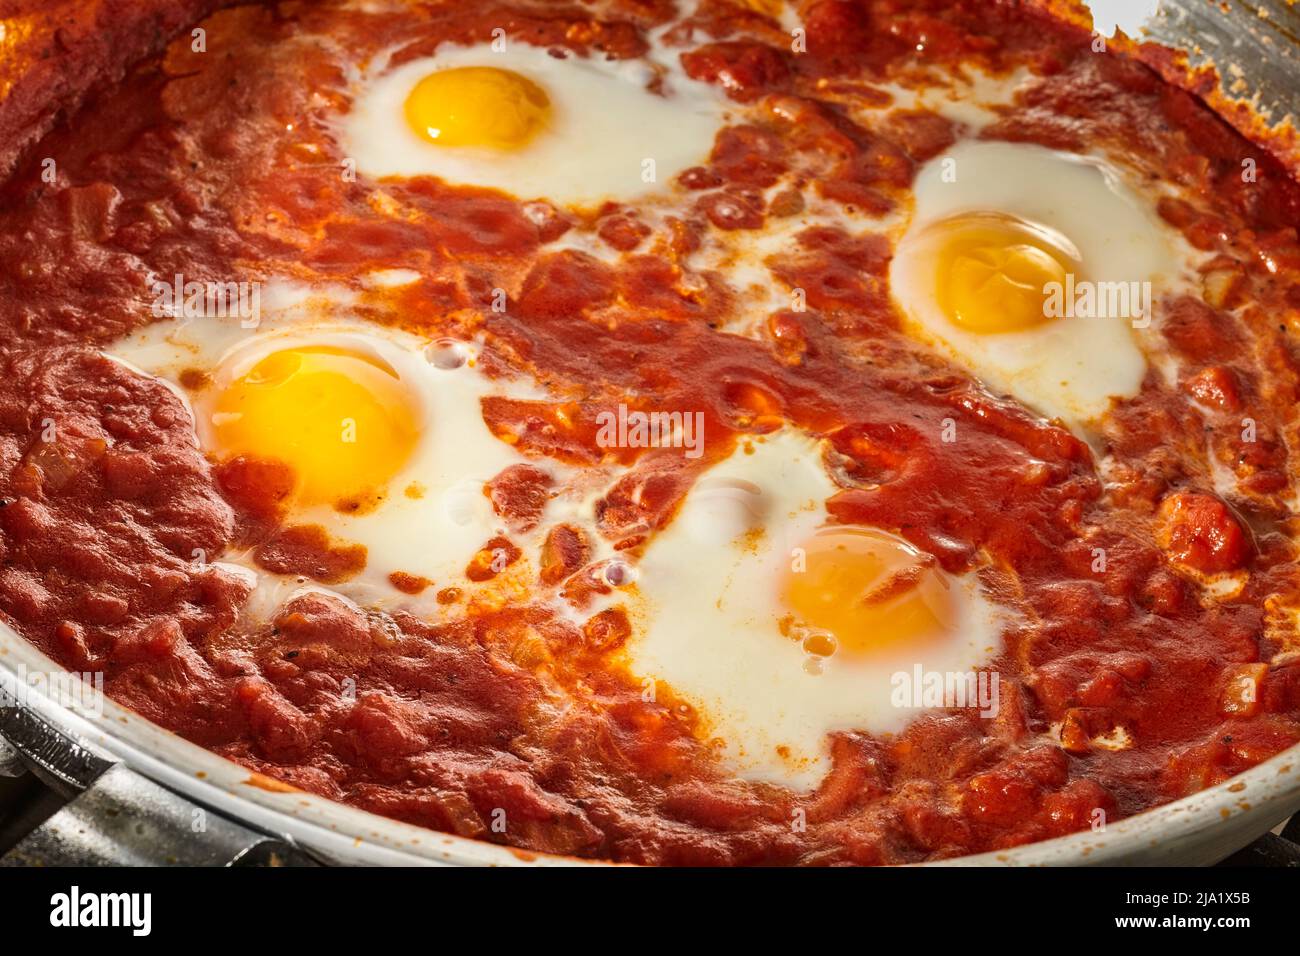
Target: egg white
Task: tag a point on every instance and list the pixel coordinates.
(610, 137)
(434, 535)
(1068, 368)
(708, 612)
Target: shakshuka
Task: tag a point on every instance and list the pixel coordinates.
(733, 432)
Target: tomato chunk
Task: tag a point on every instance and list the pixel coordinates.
(1200, 532)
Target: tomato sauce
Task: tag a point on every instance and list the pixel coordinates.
(223, 164)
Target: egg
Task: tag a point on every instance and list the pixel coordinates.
(1036, 270)
(531, 122)
(335, 409)
(382, 431)
(781, 628)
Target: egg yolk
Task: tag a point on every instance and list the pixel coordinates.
(477, 106)
(343, 422)
(859, 590)
(993, 271)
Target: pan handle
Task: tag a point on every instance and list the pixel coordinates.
(115, 816)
